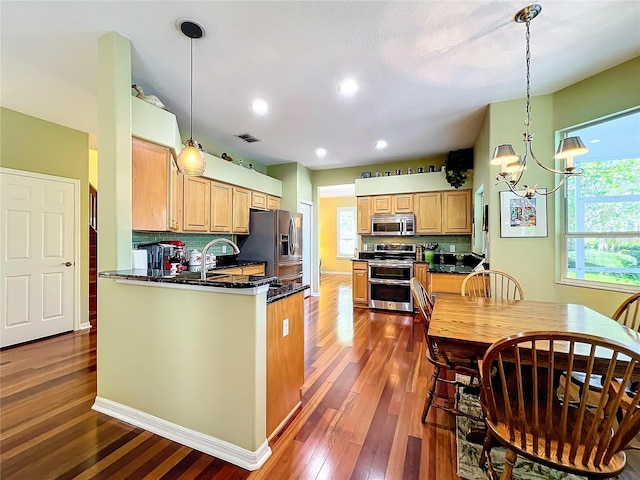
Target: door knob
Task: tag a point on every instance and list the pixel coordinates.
(67, 264)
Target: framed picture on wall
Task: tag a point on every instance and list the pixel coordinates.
(523, 217)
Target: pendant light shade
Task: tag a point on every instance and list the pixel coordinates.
(191, 160)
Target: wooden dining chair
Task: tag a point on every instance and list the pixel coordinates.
(441, 362)
(526, 388)
(491, 283)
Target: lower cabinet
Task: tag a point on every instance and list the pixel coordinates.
(421, 272)
(360, 284)
(285, 359)
(446, 282)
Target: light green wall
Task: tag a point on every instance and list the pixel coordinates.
(305, 184)
(533, 261)
(287, 173)
(166, 354)
(35, 145)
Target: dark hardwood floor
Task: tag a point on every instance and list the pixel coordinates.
(365, 378)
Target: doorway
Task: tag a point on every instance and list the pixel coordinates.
(40, 261)
(306, 208)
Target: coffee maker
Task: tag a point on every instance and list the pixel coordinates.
(158, 257)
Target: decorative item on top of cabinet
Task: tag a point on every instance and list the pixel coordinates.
(273, 203)
(156, 188)
(241, 203)
(360, 287)
(259, 200)
(196, 204)
(364, 215)
(221, 207)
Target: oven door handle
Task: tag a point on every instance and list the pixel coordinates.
(380, 281)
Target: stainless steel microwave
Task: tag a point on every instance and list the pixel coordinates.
(399, 224)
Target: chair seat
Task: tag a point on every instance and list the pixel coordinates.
(615, 466)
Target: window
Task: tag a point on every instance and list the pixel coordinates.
(602, 208)
(347, 236)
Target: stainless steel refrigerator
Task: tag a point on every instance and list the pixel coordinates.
(275, 236)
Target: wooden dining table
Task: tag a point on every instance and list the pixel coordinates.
(465, 327)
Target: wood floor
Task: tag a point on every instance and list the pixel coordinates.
(365, 378)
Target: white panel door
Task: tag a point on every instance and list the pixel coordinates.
(37, 258)
(306, 209)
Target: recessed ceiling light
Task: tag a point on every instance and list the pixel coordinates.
(260, 107)
(381, 144)
(348, 87)
(321, 152)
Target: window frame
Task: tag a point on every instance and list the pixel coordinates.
(338, 230)
(565, 236)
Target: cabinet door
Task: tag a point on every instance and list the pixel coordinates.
(447, 282)
(259, 200)
(175, 197)
(382, 204)
(364, 215)
(197, 204)
(360, 287)
(456, 211)
(253, 270)
(221, 212)
(420, 272)
(273, 203)
(403, 203)
(241, 202)
(150, 186)
(428, 210)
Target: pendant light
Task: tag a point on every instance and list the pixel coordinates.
(512, 165)
(191, 160)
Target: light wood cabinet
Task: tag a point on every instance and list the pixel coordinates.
(443, 212)
(253, 270)
(421, 273)
(221, 207)
(456, 211)
(240, 216)
(259, 200)
(285, 360)
(402, 203)
(360, 284)
(428, 213)
(197, 204)
(445, 282)
(156, 188)
(273, 203)
(364, 215)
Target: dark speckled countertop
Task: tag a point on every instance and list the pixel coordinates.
(276, 290)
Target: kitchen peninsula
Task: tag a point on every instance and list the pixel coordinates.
(201, 361)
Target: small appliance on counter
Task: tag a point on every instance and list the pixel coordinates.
(159, 256)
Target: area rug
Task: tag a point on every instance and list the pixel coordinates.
(469, 453)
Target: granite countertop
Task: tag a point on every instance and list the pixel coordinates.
(192, 278)
(438, 268)
(278, 291)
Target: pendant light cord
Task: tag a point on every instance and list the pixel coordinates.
(528, 52)
(191, 98)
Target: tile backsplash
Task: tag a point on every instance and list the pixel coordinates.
(462, 242)
(193, 241)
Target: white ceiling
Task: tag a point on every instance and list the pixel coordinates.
(426, 69)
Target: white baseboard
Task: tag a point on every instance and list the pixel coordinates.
(199, 441)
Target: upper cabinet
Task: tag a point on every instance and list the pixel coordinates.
(392, 203)
(241, 203)
(428, 213)
(443, 212)
(156, 189)
(197, 204)
(221, 207)
(259, 200)
(364, 215)
(456, 211)
(273, 203)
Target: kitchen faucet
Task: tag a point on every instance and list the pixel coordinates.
(203, 269)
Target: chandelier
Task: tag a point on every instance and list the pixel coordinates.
(512, 165)
(191, 160)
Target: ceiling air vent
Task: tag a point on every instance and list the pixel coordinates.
(247, 137)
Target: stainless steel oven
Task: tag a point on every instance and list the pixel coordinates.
(389, 285)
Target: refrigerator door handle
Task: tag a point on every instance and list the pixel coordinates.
(292, 237)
